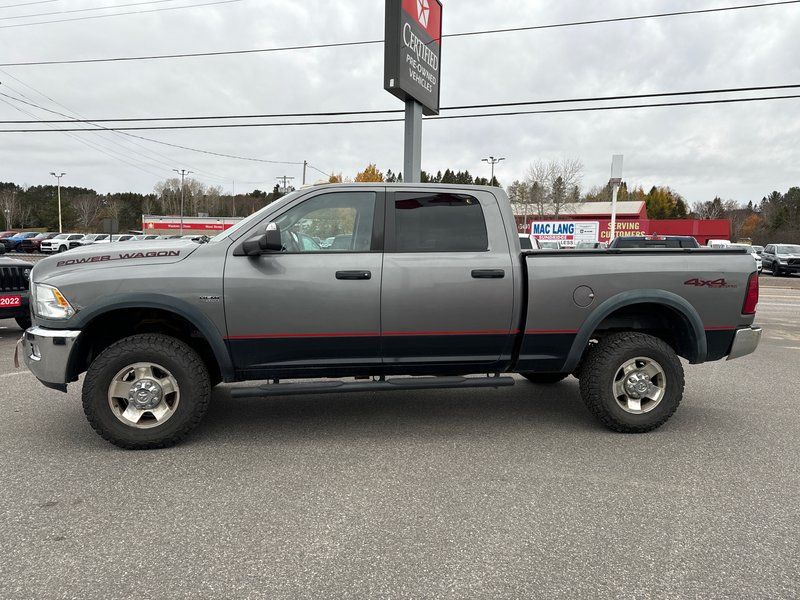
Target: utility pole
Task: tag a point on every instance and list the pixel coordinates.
(492, 161)
(233, 198)
(285, 179)
(305, 164)
(58, 178)
(183, 173)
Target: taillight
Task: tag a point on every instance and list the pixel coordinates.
(751, 299)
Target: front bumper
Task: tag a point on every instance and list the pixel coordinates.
(46, 353)
(745, 342)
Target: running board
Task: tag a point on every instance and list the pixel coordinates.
(397, 383)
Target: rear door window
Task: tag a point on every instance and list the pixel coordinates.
(441, 222)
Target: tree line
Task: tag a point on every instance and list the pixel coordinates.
(546, 190)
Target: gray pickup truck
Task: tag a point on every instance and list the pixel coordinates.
(368, 287)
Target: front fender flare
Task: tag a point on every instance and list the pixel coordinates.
(169, 304)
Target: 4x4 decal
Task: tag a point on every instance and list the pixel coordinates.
(712, 283)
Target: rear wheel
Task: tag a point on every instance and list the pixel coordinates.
(146, 391)
(633, 383)
(544, 378)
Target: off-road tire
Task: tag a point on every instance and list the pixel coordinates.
(601, 367)
(24, 322)
(544, 378)
(182, 362)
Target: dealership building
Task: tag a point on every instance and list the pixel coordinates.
(591, 222)
(173, 224)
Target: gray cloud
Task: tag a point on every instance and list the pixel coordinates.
(735, 151)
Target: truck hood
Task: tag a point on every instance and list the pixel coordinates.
(113, 255)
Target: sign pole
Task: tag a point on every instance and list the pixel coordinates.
(412, 156)
(615, 181)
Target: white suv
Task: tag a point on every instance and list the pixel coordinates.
(61, 242)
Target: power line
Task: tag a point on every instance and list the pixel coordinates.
(367, 42)
(80, 10)
(134, 12)
(397, 120)
(124, 136)
(396, 111)
(90, 145)
(29, 3)
(100, 128)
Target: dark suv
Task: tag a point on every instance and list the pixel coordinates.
(14, 276)
(12, 242)
(781, 259)
(654, 241)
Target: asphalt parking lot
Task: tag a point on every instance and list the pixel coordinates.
(514, 493)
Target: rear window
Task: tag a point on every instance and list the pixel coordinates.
(439, 223)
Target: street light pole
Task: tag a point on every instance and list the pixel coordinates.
(492, 161)
(183, 173)
(58, 178)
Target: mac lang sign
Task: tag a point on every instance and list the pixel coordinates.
(412, 51)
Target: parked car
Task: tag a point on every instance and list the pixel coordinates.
(781, 259)
(548, 245)
(123, 237)
(5, 235)
(758, 249)
(718, 243)
(430, 287)
(750, 249)
(60, 243)
(654, 241)
(590, 245)
(12, 243)
(142, 238)
(14, 284)
(34, 244)
(95, 238)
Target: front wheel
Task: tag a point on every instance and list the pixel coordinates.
(775, 270)
(633, 383)
(24, 322)
(146, 391)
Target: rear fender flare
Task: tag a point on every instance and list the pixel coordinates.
(630, 298)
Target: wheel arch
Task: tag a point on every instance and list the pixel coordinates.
(672, 316)
(115, 318)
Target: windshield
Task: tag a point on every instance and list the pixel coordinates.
(255, 217)
(792, 249)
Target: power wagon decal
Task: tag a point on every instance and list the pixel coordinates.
(120, 256)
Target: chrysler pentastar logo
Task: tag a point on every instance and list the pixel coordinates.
(424, 11)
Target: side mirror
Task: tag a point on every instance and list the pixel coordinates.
(269, 241)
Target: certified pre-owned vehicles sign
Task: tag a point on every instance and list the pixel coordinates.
(412, 59)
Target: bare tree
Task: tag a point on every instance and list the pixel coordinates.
(554, 186)
(88, 207)
(10, 206)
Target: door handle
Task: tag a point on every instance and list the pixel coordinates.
(488, 273)
(351, 275)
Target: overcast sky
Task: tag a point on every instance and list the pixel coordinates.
(736, 151)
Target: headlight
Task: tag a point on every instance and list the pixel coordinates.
(49, 303)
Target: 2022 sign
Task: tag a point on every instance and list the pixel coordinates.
(10, 301)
